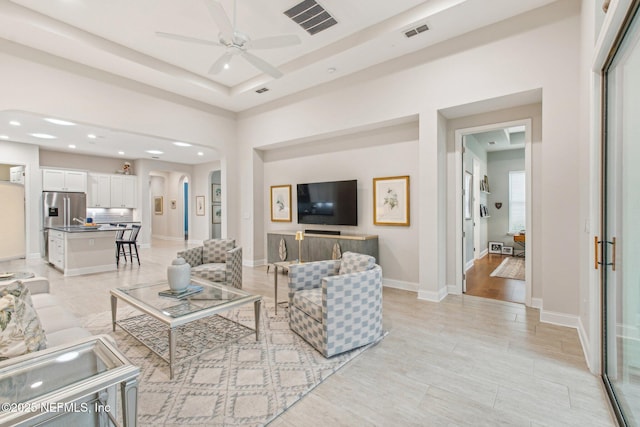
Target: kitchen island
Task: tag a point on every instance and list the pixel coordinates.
(77, 250)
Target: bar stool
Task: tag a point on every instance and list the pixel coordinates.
(129, 241)
(119, 236)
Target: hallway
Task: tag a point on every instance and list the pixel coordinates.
(481, 284)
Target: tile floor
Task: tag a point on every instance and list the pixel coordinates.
(466, 361)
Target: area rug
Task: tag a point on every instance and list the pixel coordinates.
(510, 268)
(247, 383)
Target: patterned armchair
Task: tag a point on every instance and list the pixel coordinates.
(218, 260)
(336, 305)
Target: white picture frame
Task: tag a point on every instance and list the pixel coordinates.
(495, 247)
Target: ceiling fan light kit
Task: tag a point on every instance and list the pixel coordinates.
(236, 43)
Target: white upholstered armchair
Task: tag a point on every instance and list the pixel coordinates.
(336, 305)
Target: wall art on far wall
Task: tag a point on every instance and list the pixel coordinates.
(281, 203)
(391, 200)
(200, 205)
(173, 204)
(216, 193)
(216, 213)
(157, 205)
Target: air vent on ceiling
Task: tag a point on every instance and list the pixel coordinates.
(491, 143)
(311, 16)
(262, 90)
(415, 31)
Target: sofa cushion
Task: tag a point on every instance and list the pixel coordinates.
(44, 300)
(20, 328)
(65, 336)
(309, 301)
(215, 250)
(354, 263)
(213, 272)
(56, 318)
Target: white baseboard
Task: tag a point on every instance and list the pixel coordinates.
(170, 238)
(433, 296)
(144, 245)
(584, 341)
(254, 263)
(536, 303)
(453, 290)
(34, 255)
(195, 242)
(484, 253)
(469, 265)
(400, 284)
(560, 319)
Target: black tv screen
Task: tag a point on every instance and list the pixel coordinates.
(328, 203)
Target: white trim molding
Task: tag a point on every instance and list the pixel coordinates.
(400, 284)
(433, 296)
(536, 303)
(584, 341)
(560, 319)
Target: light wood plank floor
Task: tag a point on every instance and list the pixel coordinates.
(481, 284)
(466, 361)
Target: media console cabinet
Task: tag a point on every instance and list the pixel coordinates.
(318, 247)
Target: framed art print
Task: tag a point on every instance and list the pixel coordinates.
(391, 201)
(157, 205)
(281, 203)
(200, 205)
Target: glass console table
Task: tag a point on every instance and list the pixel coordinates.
(74, 385)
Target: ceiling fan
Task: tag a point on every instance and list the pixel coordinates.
(236, 42)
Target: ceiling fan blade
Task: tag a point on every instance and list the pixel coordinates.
(220, 17)
(275, 42)
(187, 39)
(220, 63)
(262, 65)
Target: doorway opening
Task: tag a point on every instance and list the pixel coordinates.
(494, 260)
(186, 208)
(215, 226)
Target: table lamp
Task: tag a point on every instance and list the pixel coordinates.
(300, 238)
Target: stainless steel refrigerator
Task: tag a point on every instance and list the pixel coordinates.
(59, 209)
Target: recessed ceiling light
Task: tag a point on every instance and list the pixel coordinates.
(4, 137)
(72, 146)
(43, 135)
(14, 123)
(92, 136)
(36, 384)
(182, 144)
(200, 153)
(59, 122)
(154, 152)
(226, 66)
(121, 153)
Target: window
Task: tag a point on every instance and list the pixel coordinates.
(517, 201)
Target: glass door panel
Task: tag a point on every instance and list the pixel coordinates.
(621, 228)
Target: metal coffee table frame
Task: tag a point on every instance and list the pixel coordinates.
(201, 311)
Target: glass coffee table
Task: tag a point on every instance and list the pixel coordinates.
(179, 330)
(72, 385)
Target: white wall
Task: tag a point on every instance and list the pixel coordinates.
(96, 164)
(533, 51)
(398, 246)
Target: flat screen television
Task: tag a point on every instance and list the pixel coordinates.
(328, 203)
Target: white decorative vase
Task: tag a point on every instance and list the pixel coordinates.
(179, 275)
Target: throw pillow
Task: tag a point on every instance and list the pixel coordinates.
(353, 263)
(215, 250)
(20, 328)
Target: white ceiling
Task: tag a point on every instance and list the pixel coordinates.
(500, 139)
(118, 36)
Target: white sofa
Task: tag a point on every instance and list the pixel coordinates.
(59, 325)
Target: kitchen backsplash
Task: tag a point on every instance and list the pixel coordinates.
(110, 215)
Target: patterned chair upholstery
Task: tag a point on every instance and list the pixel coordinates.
(336, 305)
(217, 260)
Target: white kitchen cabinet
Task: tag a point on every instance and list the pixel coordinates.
(99, 191)
(56, 249)
(64, 180)
(123, 191)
